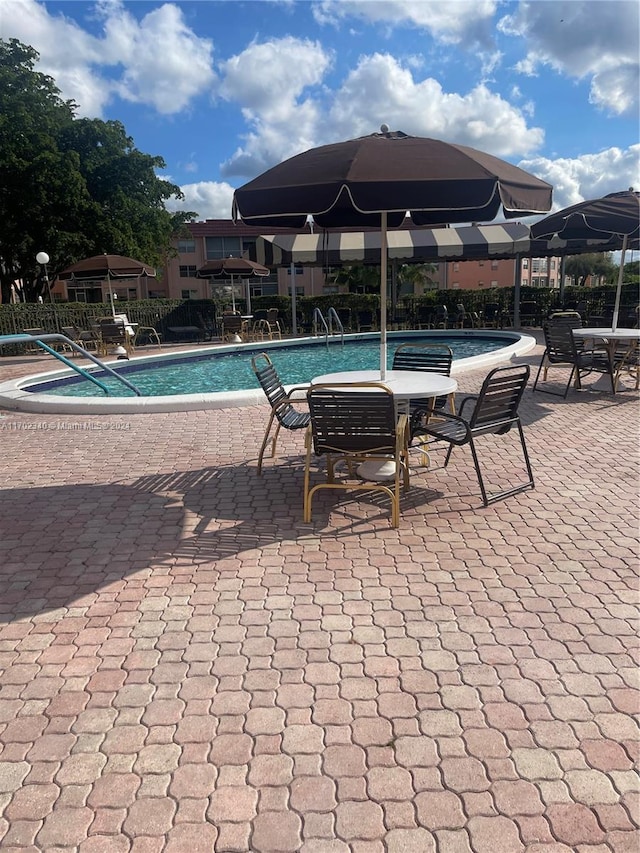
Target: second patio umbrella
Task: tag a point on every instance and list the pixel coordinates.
(230, 268)
(374, 180)
(616, 214)
(107, 268)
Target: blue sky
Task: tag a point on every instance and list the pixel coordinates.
(224, 90)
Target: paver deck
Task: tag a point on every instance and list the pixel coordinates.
(187, 666)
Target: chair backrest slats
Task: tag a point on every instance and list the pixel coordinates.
(560, 344)
(432, 358)
(346, 420)
(499, 397)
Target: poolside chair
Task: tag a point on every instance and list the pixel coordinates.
(85, 338)
(356, 423)
(563, 350)
(365, 320)
(274, 328)
(492, 315)
(259, 326)
(495, 412)
(233, 326)
(113, 333)
(424, 317)
(529, 314)
(281, 401)
(430, 358)
(441, 317)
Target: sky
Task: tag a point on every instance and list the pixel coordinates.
(224, 90)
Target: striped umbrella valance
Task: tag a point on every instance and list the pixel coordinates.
(428, 245)
(424, 245)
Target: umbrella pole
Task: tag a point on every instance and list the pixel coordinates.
(616, 307)
(233, 297)
(113, 307)
(248, 298)
(383, 295)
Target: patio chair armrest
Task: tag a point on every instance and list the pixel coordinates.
(470, 398)
(301, 389)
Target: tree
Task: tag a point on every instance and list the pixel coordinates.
(420, 275)
(358, 278)
(598, 264)
(70, 187)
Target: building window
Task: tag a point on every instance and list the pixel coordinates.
(189, 294)
(186, 247)
(299, 271)
(456, 266)
(187, 271)
(525, 263)
(223, 247)
(552, 264)
(299, 290)
(494, 265)
(264, 288)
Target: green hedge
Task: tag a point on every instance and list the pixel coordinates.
(162, 313)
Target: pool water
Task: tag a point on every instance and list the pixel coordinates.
(213, 372)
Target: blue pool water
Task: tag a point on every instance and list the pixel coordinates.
(213, 372)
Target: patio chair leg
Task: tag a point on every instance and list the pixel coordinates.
(264, 444)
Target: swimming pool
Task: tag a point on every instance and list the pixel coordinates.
(214, 378)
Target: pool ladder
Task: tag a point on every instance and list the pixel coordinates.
(319, 321)
(40, 340)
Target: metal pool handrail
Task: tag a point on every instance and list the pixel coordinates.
(40, 339)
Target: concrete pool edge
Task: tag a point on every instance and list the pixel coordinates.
(14, 397)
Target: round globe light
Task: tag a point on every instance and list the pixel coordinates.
(42, 258)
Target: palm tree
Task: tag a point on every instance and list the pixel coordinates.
(418, 276)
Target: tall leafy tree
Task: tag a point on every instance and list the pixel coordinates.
(580, 267)
(70, 187)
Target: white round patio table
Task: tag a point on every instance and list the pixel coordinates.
(406, 385)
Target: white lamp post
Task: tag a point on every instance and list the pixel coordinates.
(43, 259)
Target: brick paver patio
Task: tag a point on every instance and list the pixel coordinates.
(186, 666)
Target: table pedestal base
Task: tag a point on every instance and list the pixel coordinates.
(377, 471)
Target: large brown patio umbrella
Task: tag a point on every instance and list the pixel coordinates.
(230, 268)
(375, 180)
(613, 215)
(107, 268)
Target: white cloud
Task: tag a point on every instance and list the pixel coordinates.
(269, 81)
(163, 63)
(67, 53)
(588, 176)
(210, 200)
(467, 21)
(380, 90)
(596, 39)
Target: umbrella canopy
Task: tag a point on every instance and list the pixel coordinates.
(106, 267)
(613, 215)
(230, 268)
(376, 179)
